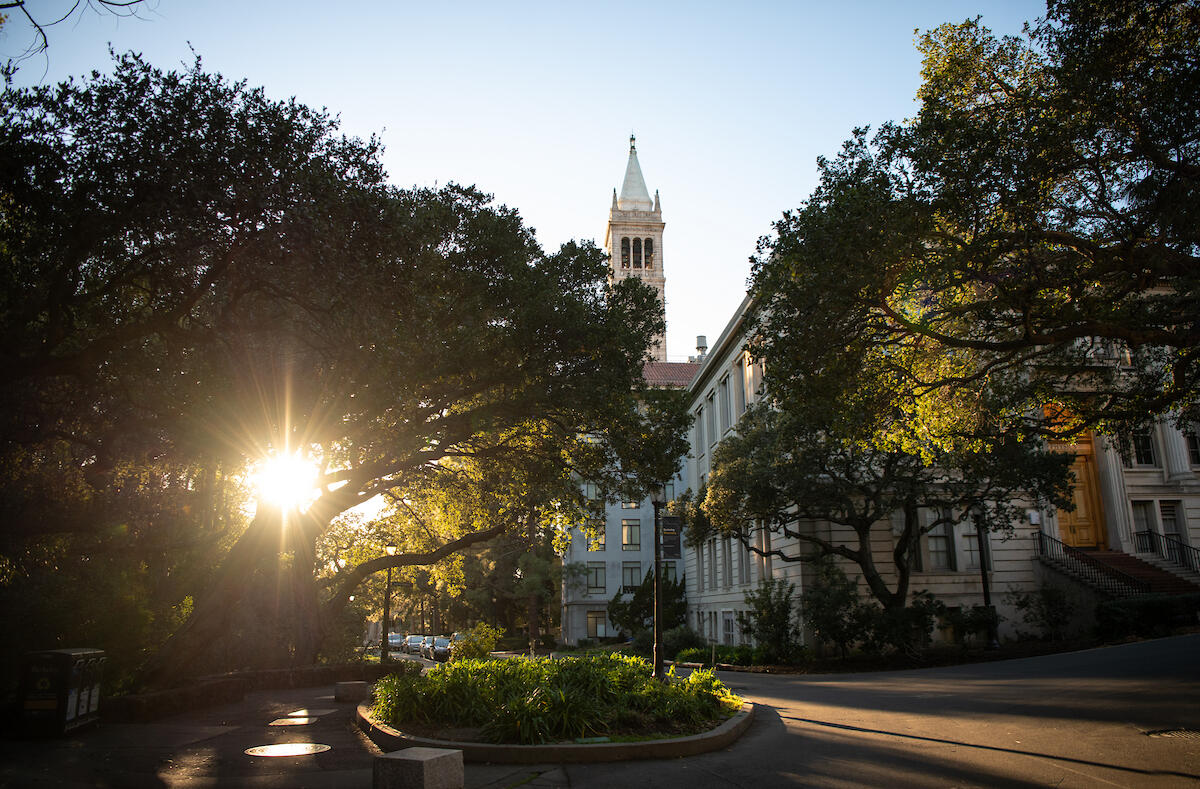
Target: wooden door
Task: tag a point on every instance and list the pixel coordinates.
(1083, 527)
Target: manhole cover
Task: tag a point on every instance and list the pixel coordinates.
(310, 713)
(297, 721)
(1190, 734)
(287, 749)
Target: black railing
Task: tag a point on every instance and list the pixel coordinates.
(1099, 575)
(1170, 548)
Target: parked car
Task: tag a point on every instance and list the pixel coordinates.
(395, 643)
(412, 644)
(441, 648)
(426, 650)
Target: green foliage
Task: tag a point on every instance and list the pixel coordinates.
(636, 614)
(772, 619)
(531, 701)
(1147, 616)
(480, 641)
(1050, 609)
(972, 623)
(679, 638)
(832, 608)
(904, 629)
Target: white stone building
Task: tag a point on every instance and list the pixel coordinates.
(1133, 520)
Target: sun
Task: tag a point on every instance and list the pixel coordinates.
(287, 481)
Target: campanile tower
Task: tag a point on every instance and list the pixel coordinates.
(634, 236)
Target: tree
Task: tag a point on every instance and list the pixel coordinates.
(636, 615)
(832, 609)
(818, 482)
(40, 41)
(195, 271)
(772, 619)
(1031, 234)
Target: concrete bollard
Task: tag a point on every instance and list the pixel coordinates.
(350, 691)
(420, 768)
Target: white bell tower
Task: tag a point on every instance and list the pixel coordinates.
(634, 237)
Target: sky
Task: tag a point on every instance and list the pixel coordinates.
(534, 102)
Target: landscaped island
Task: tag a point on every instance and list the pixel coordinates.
(535, 701)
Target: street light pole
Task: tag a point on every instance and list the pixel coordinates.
(384, 644)
(656, 498)
(993, 636)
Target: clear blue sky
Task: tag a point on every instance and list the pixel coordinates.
(534, 101)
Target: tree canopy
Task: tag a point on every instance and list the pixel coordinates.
(1029, 239)
(197, 278)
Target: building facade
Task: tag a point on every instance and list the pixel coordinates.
(1136, 515)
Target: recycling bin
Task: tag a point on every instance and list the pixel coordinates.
(60, 690)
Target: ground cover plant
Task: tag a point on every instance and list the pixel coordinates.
(533, 701)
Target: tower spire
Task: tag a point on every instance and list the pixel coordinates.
(634, 195)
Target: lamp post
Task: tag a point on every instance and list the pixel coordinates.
(993, 636)
(384, 645)
(656, 498)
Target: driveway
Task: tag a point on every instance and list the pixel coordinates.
(1072, 720)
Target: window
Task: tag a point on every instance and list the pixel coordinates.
(670, 572)
(1143, 516)
(631, 576)
(597, 624)
(712, 564)
(700, 430)
(624, 253)
(1192, 435)
(591, 491)
(629, 505)
(649, 253)
(710, 404)
(941, 548)
(700, 567)
(744, 564)
(725, 406)
(597, 583)
(631, 534)
(597, 542)
(637, 253)
(739, 386)
(970, 546)
(728, 634)
(1143, 449)
(1169, 513)
(727, 563)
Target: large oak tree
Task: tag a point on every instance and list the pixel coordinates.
(198, 277)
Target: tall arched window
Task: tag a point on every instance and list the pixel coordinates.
(637, 253)
(624, 253)
(649, 253)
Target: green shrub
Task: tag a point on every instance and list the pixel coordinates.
(678, 638)
(1145, 615)
(832, 608)
(536, 700)
(1050, 609)
(772, 619)
(479, 642)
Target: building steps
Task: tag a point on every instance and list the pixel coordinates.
(1160, 581)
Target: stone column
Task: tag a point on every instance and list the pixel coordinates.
(1112, 492)
(1176, 461)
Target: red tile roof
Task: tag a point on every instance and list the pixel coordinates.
(678, 374)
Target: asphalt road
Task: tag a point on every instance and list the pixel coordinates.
(1072, 720)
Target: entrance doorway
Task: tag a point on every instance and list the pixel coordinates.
(1083, 527)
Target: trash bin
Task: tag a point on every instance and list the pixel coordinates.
(60, 690)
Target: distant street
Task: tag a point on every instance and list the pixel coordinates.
(1072, 720)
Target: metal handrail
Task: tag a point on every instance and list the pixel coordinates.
(1094, 571)
(1170, 548)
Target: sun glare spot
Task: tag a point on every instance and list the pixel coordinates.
(287, 481)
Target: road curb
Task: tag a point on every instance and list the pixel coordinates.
(390, 739)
